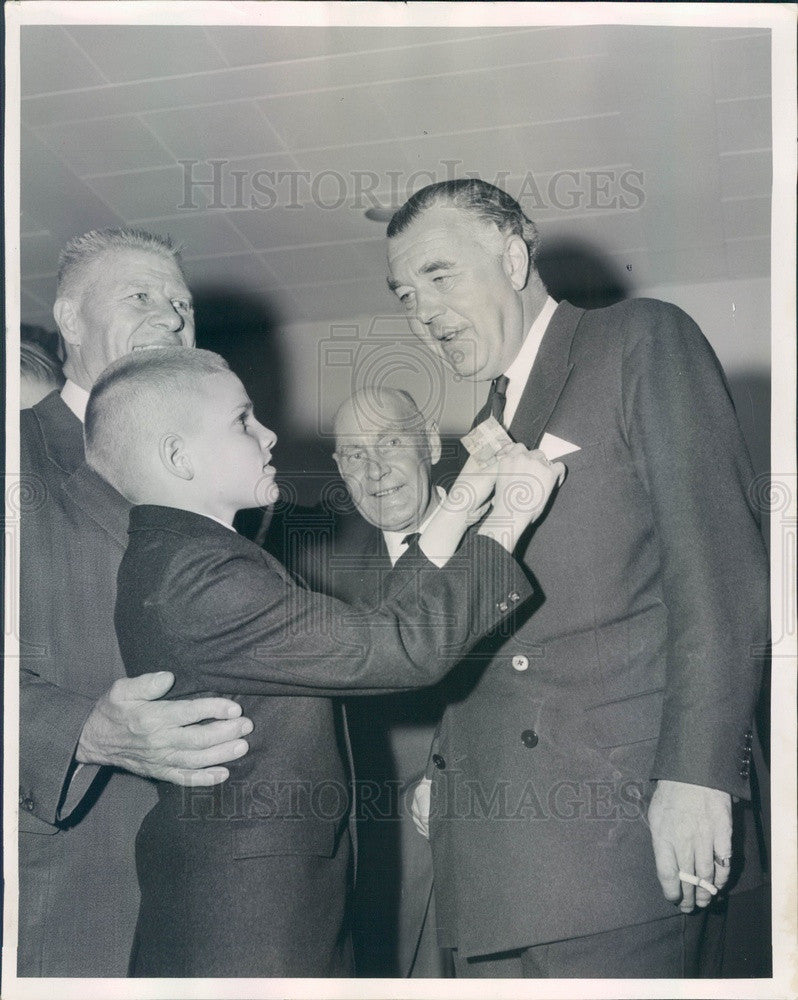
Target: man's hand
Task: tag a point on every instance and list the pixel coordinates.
(420, 807)
(689, 823)
(130, 728)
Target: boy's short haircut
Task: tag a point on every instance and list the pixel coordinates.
(131, 401)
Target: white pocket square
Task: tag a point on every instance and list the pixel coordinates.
(554, 447)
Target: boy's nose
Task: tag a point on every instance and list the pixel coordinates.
(268, 439)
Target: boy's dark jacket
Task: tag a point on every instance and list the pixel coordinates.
(250, 878)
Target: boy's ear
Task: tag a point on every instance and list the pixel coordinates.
(65, 314)
(174, 457)
(434, 442)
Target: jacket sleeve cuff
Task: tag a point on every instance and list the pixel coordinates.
(51, 721)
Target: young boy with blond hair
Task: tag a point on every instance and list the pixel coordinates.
(250, 878)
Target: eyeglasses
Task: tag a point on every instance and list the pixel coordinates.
(390, 446)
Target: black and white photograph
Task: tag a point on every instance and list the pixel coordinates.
(400, 500)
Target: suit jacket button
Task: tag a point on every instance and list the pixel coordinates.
(529, 738)
(515, 598)
(438, 761)
(520, 662)
(503, 606)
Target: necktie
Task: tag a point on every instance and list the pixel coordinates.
(412, 537)
(497, 397)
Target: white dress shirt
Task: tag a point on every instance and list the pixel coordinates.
(394, 540)
(75, 398)
(518, 371)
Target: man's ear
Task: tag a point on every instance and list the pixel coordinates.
(174, 457)
(515, 261)
(434, 442)
(65, 314)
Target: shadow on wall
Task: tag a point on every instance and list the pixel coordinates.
(578, 272)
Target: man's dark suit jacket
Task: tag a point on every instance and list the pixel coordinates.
(391, 735)
(78, 896)
(250, 878)
(640, 661)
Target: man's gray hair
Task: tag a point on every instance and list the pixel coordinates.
(83, 250)
(129, 403)
(483, 200)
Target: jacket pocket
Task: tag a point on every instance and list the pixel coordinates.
(285, 836)
(627, 721)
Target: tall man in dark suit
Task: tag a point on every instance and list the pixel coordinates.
(90, 737)
(583, 783)
(385, 451)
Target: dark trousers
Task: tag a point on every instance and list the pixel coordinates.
(681, 946)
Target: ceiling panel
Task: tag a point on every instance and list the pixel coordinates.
(500, 96)
(200, 234)
(108, 111)
(304, 225)
(149, 194)
(741, 66)
(217, 130)
(748, 257)
(37, 253)
(243, 46)
(143, 52)
(334, 117)
(49, 61)
(745, 174)
(743, 124)
(322, 302)
(99, 147)
(540, 146)
(41, 289)
(746, 217)
(336, 262)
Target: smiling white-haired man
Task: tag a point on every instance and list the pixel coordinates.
(90, 738)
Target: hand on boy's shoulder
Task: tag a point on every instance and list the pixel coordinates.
(133, 728)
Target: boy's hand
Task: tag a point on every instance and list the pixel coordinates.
(129, 727)
(524, 483)
(471, 490)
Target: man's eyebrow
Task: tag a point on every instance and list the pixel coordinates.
(436, 265)
(432, 266)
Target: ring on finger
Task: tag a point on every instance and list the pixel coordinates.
(724, 861)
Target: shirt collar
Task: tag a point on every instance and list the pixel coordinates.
(394, 540)
(75, 398)
(518, 371)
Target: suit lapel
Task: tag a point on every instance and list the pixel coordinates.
(548, 377)
(62, 432)
(99, 501)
